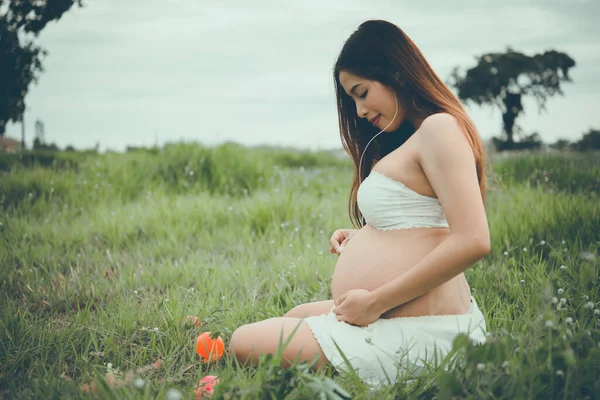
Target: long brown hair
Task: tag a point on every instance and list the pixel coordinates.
(380, 51)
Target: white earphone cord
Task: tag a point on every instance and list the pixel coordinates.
(380, 132)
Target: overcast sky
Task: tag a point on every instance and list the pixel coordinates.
(260, 72)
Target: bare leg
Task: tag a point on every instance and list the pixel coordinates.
(310, 309)
(250, 341)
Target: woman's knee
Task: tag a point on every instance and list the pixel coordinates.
(240, 342)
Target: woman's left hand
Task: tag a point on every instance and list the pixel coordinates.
(356, 307)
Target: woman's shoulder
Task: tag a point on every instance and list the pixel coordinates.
(437, 121)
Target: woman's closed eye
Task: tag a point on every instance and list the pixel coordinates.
(364, 94)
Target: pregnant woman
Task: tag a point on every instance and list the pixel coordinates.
(400, 296)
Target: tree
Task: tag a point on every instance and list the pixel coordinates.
(502, 79)
(20, 58)
(589, 141)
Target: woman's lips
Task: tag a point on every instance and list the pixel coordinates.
(376, 120)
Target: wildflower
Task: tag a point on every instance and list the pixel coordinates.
(563, 300)
(543, 242)
(139, 383)
(155, 329)
(193, 319)
(522, 281)
(588, 256)
(480, 367)
(596, 312)
(135, 292)
(569, 320)
(563, 267)
(505, 364)
(554, 300)
(505, 253)
(589, 305)
(549, 324)
(563, 242)
(209, 349)
(206, 386)
(525, 249)
(559, 373)
(560, 291)
(173, 394)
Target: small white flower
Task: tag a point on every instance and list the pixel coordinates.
(223, 297)
(597, 311)
(560, 291)
(563, 267)
(522, 281)
(505, 364)
(135, 292)
(549, 324)
(543, 242)
(559, 373)
(506, 253)
(563, 300)
(569, 320)
(155, 329)
(589, 305)
(563, 242)
(173, 394)
(480, 367)
(139, 383)
(525, 249)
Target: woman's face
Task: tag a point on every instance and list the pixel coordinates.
(374, 101)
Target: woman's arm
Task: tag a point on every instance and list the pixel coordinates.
(448, 162)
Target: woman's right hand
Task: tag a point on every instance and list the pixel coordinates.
(339, 239)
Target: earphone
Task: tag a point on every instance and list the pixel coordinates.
(380, 132)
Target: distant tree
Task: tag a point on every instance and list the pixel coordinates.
(20, 58)
(39, 145)
(560, 144)
(502, 79)
(589, 141)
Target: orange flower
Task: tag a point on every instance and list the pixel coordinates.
(206, 386)
(195, 320)
(209, 349)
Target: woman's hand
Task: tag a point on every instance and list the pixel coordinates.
(356, 307)
(339, 239)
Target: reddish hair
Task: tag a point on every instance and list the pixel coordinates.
(380, 51)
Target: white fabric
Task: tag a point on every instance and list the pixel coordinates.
(388, 204)
(392, 346)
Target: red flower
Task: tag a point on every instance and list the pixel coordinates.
(206, 386)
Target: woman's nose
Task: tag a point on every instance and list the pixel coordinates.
(361, 110)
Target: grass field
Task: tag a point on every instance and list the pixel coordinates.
(103, 257)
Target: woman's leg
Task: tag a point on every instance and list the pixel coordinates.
(310, 309)
(249, 341)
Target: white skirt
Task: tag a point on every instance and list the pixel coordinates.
(390, 347)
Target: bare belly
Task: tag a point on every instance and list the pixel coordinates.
(372, 258)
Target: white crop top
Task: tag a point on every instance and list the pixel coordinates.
(387, 204)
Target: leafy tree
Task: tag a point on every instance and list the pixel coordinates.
(589, 141)
(20, 58)
(502, 79)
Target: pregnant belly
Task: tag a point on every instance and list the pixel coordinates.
(372, 258)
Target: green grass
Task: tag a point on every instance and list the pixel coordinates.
(103, 256)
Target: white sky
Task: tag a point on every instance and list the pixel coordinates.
(139, 72)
